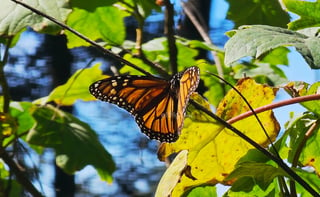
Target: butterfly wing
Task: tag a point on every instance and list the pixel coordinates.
(189, 81)
(144, 97)
(158, 105)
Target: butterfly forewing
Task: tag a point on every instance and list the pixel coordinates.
(188, 84)
(158, 105)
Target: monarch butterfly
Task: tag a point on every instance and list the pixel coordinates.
(158, 105)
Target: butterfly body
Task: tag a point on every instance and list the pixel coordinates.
(158, 105)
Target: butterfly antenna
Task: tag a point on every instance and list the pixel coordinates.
(251, 109)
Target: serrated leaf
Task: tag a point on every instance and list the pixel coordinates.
(14, 18)
(71, 139)
(94, 22)
(250, 12)
(309, 13)
(77, 87)
(257, 40)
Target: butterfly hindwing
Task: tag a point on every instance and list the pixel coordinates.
(158, 105)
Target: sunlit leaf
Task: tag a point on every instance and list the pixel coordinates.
(309, 13)
(94, 22)
(246, 187)
(15, 188)
(171, 177)
(144, 8)
(278, 56)
(77, 87)
(257, 40)
(262, 72)
(14, 17)
(75, 143)
(203, 191)
(250, 12)
(311, 178)
(301, 141)
(17, 122)
(214, 151)
(156, 50)
(263, 174)
(296, 89)
(216, 88)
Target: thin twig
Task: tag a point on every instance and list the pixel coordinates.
(204, 34)
(21, 178)
(169, 32)
(275, 105)
(3, 80)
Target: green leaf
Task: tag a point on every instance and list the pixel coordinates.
(156, 50)
(77, 87)
(262, 72)
(262, 173)
(75, 143)
(257, 40)
(311, 178)
(203, 191)
(310, 155)
(309, 13)
(94, 22)
(278, 56)
(313, 106)
(296, 89)
(14, 18)
(250, 12)
(17, 122)
(15, 188)
(246, 187)
(144, 8)
(216, 90)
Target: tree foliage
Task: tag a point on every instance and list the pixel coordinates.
(210, 151)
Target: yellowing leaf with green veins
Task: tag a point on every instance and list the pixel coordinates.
(77, 87)
(213, 150)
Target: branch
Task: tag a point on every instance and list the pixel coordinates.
(277, 160)
(205, 36)
(20, 176)
(3, 80)
(275, 105)
(169, 32)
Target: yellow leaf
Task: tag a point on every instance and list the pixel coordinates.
(171, 177)
(213, 150)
